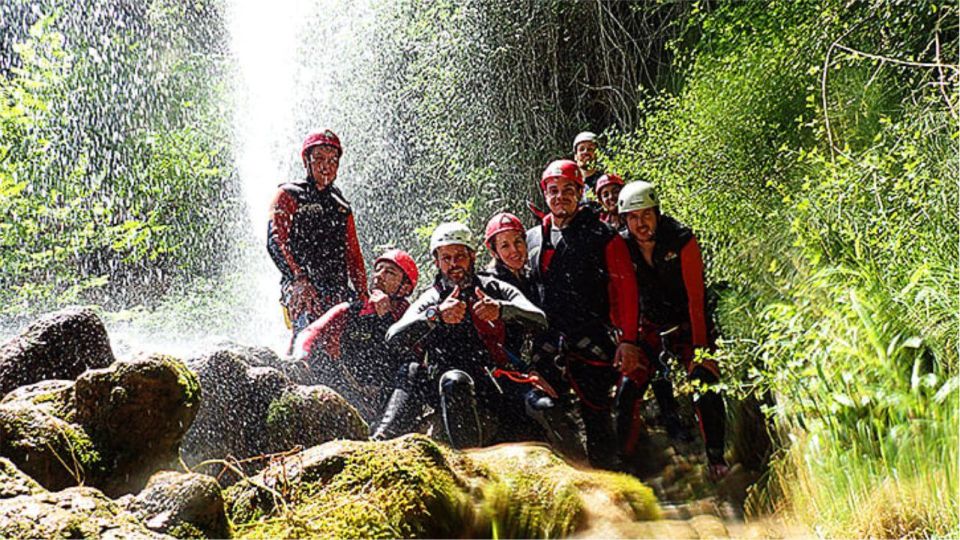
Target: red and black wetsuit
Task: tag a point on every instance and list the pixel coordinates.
(312, 234)
(347, 349)
(586, 286)
(672, 293)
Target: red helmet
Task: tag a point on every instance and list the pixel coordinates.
(499, 223)
(607, 180)
(561, 168)
(323, 137)
(403, 260)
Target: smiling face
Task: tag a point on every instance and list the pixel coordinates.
(643, 224)
(455, 263)
(511, 248)
(563, 197)
(323, 162)
(586, 155)
(608, 197)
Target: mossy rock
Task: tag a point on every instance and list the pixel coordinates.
(311, 415)
(13, 482)
(184, 505)
(36, 435)
(412, 487)
(78, 512)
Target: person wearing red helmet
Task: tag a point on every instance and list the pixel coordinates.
(346, 346)
(312, 237)
(505, 238)
(607, 190)
(587, 288)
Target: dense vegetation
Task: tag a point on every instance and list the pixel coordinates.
(811, 144)
(113, 173)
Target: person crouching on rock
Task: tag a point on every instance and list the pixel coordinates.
(505, 238)
(461, 323)
(346, 347)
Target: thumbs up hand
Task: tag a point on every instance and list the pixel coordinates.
(452, 310)
(485, 308)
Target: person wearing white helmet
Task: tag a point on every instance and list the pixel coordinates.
(585, 154)
(461, 321)
(672, 294)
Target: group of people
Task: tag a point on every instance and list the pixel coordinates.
(577, 314)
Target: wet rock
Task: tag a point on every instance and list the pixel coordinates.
(60, 345)
(298, 372)
(311, 415)
(181, 504)
(144, 406)
(37, 436)
(13, 482)
(111, 429)
(78, 512)
(411, 487)
(251, 411)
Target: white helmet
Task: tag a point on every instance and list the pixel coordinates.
(584, 136)
(637, 195)
(448, 234)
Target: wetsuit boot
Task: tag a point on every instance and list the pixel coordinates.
(458, 406)
(556, 423)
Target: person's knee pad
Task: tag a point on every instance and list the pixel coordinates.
(459, 409)
(538, 405)
(455, 383)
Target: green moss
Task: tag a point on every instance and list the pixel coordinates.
(185, 377)
(628, 490)
(403, 488)
(185, 530)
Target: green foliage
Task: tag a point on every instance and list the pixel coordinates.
(822, 182)
(107, 180)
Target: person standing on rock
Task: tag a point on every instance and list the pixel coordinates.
(607, 190)
(586, 287)
(312, 237)
(672, 293)
(346, 347)
(460, 322)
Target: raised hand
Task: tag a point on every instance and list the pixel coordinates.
(452, 310)
(485, 308)
(381, 302)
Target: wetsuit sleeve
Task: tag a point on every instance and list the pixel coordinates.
(282, 210)
(622, 289)
(517, 308)
(355, 266)
(324, 332)
(414, 326)
(691, 262)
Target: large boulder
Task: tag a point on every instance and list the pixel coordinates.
(38, 435)
(78, 512)
(13, 482)
(250, 411)
(411, 487)
(141, 409)
(185, 505)
(60, 345)
(111, 429)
